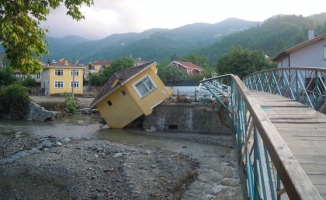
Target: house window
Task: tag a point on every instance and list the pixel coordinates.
(42, 84)
(23, 77)
(76, 72)
(58, 72)
(58, 84)
(123, 93)
(109, 103)
(76, 84)
(324, 52)
(144, 86)
(38, 76)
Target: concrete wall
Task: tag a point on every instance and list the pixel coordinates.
(309, 56)
(190, 89)
(187, 118)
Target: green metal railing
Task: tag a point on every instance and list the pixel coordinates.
(303, 84)
(270, 167)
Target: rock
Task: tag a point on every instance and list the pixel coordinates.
(106, 126)
(99, 149)
(147, 152)
(184, 147)
(229, 182)
(58, 144)
(38, 113)
(65, 140)
(117, 155)
(93, 177)
(153, 166)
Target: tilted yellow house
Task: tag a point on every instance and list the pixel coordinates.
(58, 78)
(129, 94)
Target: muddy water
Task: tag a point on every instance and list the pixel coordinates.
(73, 126)
(218, 175)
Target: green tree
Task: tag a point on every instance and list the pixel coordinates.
(7, 76)
(170, 74)
(29, 82)
(300, 37)
(242, 62)
(174, 57)
(21, 35)
(116, 65)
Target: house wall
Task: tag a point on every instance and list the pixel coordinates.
(283, 63)
(128, 108)
(122, 111)
(309, 56)
(66, 78)
(150, 100)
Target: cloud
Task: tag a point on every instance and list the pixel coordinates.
(107, 17)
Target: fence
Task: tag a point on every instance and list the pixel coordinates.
(262, 154)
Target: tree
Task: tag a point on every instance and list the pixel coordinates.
(170, 74)
(300, 37)
(116, 65)
(21, 35)
(7, 76)
(174, 57)
(242, 62)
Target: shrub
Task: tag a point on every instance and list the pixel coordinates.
(14, 101)
(29, 82)
(7, 76)
(70, 103)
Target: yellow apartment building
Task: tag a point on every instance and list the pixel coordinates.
(58, 78)
(129, 94)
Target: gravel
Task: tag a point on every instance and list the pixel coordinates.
(85, 168)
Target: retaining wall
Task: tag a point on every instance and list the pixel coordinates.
(194, 117)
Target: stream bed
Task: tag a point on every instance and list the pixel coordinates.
(217, 173)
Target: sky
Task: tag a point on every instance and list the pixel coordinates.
(108, 17)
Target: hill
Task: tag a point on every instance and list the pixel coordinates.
(273, 36)
(113, 41)
(165, 43)
(321, 18)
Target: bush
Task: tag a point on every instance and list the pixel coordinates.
(29, 82)
(70, 103)
(7, 76)
(14, 101)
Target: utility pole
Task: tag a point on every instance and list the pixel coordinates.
(73, 78)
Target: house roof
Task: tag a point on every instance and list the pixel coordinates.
(62, 63)
(189, 65)
(123, 76)
(101, 63)
(287, 51)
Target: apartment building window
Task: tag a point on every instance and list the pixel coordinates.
(144, 86)
(76, 72)
(58, 72)
(58, 84)
(38, 76)
(76, 84)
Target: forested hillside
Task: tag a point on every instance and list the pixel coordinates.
(273, 36)
(164, 43)
(113, 41)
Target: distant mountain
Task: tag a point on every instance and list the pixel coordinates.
(59, 44)
(273, 36)
(113, 41)
(165, 43)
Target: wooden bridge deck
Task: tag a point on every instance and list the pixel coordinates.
(303, 130)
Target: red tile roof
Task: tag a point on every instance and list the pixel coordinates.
(189, 65)
(101, 63)
(62, 63)
(123, 76)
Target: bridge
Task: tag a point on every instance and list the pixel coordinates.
(279, 130)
